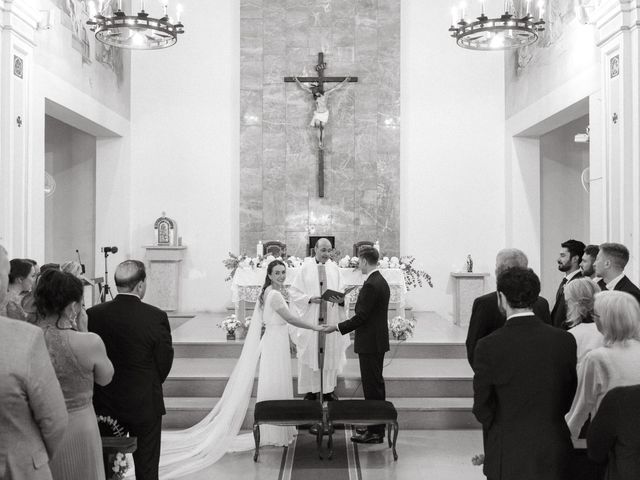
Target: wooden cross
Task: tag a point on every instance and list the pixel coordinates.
(318, 92)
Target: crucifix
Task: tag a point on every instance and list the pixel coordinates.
(321, 113)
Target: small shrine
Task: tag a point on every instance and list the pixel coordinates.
(166, 230)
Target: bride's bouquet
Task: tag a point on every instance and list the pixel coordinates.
(401, 328)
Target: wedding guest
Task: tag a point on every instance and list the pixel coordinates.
(138, 341)
(21, 278)
(609, 266)
(588, 259)
(524, 381)
(33, 414)
(486, 317)
(568, 263)
(616, 363)
(75, 269)
(371, 336)
(614, 436)
(79, 359)
(580, 297)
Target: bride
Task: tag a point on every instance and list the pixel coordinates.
(187, 451)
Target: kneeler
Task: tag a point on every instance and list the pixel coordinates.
(287, 413)
(363, 412)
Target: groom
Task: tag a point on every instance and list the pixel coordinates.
(372, 336)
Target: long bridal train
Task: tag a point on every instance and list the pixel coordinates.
(187, 451)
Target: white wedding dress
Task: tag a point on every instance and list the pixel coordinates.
(188, 451)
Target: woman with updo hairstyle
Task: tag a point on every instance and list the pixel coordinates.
(21, 277)
(616, 363)
(579, 295)
(275, 379)
(79, 359)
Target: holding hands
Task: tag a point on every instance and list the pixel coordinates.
(329, 328)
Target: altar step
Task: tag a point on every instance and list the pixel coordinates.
(413, 413)
(427, 377)
(200, 377)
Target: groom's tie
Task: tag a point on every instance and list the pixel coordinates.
(561, 288)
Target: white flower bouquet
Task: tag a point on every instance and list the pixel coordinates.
(401, 328)
(120, 466)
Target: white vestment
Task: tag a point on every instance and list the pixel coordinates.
(304, 286)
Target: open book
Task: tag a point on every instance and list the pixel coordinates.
(328, 293)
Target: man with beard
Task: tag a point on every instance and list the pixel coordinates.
(569, 263)
(588, 259)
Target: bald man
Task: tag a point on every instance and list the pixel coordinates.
(318, 274)
(138, 341)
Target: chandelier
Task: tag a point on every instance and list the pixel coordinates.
(515, 28)
(138, 32)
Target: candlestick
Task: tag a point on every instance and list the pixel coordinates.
(178, 12)
(454, 15)
(142, 5)
(540, 9)
(528, 7)
(463, 8)
(482, 2)
(120, 5)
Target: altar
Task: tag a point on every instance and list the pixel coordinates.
(247, 285)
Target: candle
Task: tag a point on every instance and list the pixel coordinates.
(377, 246)
(142, 5)
(165, 7)
(482, 2)
(259, 249)
(463, 8)
(178, 12)
(454, 16)
(528, 7)
(540, 9)
(120, 5)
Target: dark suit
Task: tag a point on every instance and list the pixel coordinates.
(524, 383)
(559, 312)
(614, 434)
(138, 341)
(624, 285)
(487, 318)
(371, 336)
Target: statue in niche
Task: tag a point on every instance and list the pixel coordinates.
(166, 230)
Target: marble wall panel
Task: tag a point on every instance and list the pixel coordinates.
(250, 146)
(250, 107)
(251, 9)
(279, 150)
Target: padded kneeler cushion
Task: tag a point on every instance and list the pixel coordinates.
(287, 410)
(345, 410)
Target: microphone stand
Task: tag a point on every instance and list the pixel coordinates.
(105, 289)
(321, 346)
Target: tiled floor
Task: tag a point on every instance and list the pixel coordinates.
(423, 455)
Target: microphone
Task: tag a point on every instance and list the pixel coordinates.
(320, 319)
(80, 262)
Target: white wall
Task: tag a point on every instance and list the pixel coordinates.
(564, 202)
(185, 147)
(452, 167)
(70, 213)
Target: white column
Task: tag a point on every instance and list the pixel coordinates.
(18, 23)
(618, 36)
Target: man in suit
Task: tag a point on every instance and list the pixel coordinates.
(609, 266)
(371, 337)
(33, 416)
(485, 314)
(524, 383)
(138, 341)
(588, 261)
(614, 433)
(569, 263)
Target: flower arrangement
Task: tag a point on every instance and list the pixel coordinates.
(413, 277)
(120, 466)
(234, 262)
(230, 324)
(401, 328)
(109, 427)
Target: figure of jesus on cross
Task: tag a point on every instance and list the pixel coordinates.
(321, 112)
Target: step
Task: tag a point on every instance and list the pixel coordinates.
(232, 349)
(200, 377)
(413, 413)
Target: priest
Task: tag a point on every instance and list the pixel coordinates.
(318, 274)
